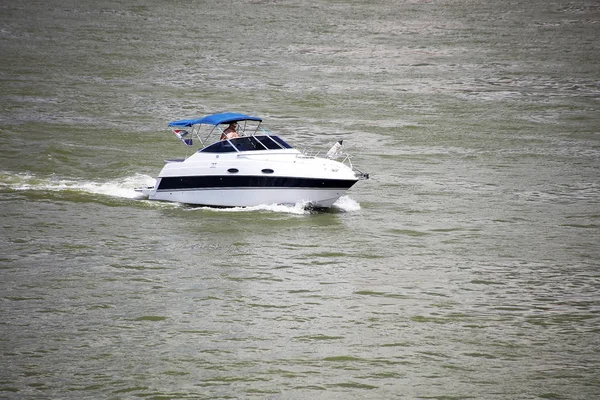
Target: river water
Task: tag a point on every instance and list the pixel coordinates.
(466, 267)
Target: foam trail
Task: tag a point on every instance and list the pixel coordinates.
(122, 187)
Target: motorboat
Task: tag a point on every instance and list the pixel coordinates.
(248, 166)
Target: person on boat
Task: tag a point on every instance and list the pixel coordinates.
(230, 132)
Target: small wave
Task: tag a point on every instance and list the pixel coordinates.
(122, 187)
(346, 204)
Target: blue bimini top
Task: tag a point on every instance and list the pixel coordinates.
(215, 119)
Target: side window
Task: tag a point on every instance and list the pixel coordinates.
(281, 142)
(268, 143)
(246, 144)
(222, 146)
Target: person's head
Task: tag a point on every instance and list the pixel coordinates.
(233, 125)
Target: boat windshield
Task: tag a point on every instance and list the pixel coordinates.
(247, 143)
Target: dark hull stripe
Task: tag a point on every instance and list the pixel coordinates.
(210, 182)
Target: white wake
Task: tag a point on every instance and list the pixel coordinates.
(125, 188)
(120, 187)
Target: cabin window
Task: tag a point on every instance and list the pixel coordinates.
(281, 142)
(222, 146)
(247, 143)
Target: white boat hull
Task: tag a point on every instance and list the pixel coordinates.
(249, 171)
(249, 197)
